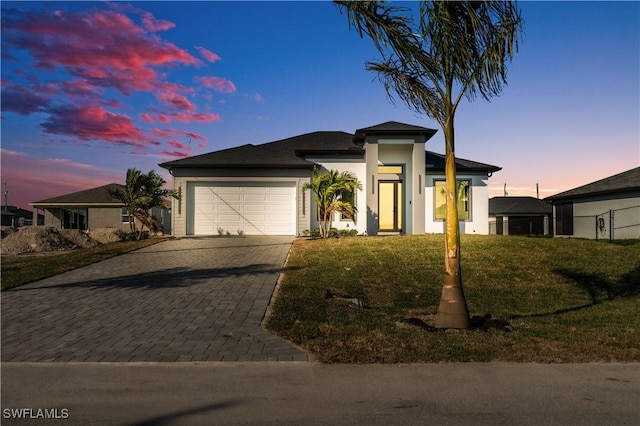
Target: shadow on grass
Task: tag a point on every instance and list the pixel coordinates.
(476, 323)
(168, 278)
(598, 287)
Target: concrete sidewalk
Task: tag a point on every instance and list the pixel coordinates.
(302, 393)
(192, 299)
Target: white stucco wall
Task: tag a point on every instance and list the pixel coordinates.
(479, 220)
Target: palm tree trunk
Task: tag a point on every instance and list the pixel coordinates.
(452, 311)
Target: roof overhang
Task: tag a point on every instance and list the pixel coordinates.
(41, 205)
(562, 198)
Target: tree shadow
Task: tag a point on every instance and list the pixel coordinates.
(168, 278)
(171, 418)
(598, 287)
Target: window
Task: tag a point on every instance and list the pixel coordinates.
(464, 200)
(564, 219)
(351, 198)
(125, 216)
(397, 170)
(75, 219)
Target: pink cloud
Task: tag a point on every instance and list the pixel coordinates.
(54, 177)
(258, 97)
(207, 54)
(178, 154)
(218, 84)
(174, 133)
(154, 25)
(195, 136)
(179, 145)
(95, 123)
(201, 117)
(104, 47)
(147, 118)
(175, 100)
(77, 88)
(22, 101)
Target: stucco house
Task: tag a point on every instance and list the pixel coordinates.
(608, 208)
(90, 209)
(520, 216)
(257, 189)
(15, 217)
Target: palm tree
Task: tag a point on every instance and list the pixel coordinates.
(331, 191)
(142, 193)
(456, 49)
(131, 196)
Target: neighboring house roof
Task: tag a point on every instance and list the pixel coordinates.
(620, 183)
(435, 162)
(288, 153)
(392, 128)
(16, 211)
(514, 206)
(93, 196)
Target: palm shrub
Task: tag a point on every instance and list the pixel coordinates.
(331, 192)
(142, 193)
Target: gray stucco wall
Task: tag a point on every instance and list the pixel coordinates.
(623, 208)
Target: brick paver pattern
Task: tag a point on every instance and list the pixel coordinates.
(190, 299)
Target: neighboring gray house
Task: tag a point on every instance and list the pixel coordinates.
(519, 216)
(607, 209)
(257, 189)
(15, 216)
(91, 209)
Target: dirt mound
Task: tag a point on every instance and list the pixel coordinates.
(37, 239)
(7, 230)
(79, 238)
(104, 235)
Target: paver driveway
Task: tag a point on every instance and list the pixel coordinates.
(192, 299)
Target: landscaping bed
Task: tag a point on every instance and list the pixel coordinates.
(372, 300)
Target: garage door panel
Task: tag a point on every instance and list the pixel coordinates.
(250, 207)
(279, 208)
(226, 208)
(255, 198)
(255, 208)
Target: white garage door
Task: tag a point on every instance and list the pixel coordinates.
(251, 208)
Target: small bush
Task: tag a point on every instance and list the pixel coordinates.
(333, 233)
(131, 235)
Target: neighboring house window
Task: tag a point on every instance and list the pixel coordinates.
(75, 219)
(350, 197)
(564, 219)
(125, 216)
(464, 200)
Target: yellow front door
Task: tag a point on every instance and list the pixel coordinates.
(390, 205)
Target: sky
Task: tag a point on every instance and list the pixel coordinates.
(90, 89)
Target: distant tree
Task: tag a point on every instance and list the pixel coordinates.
(142, 193)
(333, 192)
(457, 48)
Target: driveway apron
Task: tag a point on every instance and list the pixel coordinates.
(191, 299)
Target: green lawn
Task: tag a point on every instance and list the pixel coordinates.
(22, 269)
(564, 300)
